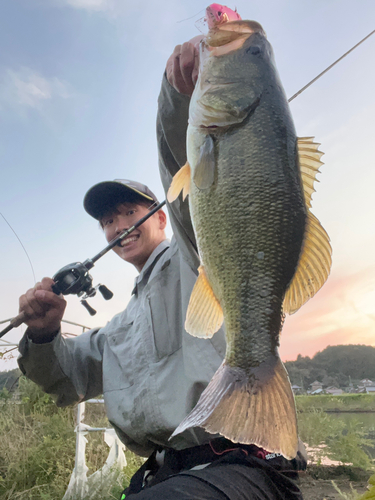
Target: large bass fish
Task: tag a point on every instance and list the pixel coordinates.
(263, 253)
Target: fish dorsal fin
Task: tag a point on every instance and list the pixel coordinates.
(316, 257)
(204, 316)
(180, 182)
(313, 267)
(309, 161)
(204, 170)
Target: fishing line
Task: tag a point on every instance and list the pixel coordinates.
(24, 249)
(182, 20)
(329, 67)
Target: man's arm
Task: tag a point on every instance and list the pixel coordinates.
(172, 120)
(70, 369)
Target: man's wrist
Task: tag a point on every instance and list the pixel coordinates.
(38, 338)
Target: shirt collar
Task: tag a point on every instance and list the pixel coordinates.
(147, 268)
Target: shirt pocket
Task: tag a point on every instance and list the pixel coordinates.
(164, 302)
(118, 359)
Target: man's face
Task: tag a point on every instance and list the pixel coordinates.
(138, 246)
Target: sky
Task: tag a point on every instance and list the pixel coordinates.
(79, 82)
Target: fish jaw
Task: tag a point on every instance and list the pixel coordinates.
(217, 14)
(224, 97)
(225, 34)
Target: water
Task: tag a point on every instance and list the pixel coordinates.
(339, 438)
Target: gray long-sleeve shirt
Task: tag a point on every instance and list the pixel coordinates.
(150, 370)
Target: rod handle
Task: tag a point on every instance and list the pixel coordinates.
(17, 321)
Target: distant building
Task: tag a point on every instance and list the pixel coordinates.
(316, 385)
(370, 389)
(317, 391)
(361, 390)
(296, 389)
(334, 391)
(366, 383)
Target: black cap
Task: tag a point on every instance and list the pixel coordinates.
(106, 195)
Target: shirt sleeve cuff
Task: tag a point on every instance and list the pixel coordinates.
(44, 339)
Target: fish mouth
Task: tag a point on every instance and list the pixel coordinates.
(233, 31)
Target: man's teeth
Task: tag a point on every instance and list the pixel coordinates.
(128, 240)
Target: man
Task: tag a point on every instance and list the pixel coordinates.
(150, 371)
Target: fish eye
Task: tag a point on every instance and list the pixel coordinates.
(219, 13)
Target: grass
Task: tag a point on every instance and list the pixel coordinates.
(37, 447)
(344, 402)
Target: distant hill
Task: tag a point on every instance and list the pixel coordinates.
(336, 365)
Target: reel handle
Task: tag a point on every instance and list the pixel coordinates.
(87, 306)
(106, 292)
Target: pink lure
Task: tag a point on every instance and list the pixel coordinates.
(217, 14)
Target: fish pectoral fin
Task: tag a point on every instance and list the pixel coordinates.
(204, 170)
(255, 406)
(313, 267)
(204, 315)
(180, 182)
(309, 162)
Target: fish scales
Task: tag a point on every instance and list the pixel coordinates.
(249, 212)
(252, 215)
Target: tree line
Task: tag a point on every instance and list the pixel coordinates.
(338, 366)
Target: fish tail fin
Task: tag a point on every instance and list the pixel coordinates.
(180, 182)
(250, 407)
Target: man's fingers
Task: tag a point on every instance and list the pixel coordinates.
(45, 297)
(30, 305)
(42, 309)
(170, 70)
(182, 68)
(38, 301)
(187, 61)
(26, 308)
(195, 72)
(47, 283)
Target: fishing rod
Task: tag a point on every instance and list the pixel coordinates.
(329, 67)
(75, 279)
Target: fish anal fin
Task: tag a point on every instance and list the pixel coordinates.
(204, 170)
(180, 182)
(255, 406)
(313, 267)
(204, 316)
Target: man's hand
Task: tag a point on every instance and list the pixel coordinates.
(43, 309)
(183, 65)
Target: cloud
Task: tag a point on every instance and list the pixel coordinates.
(96, 5)
(111, 7)
(27, 88)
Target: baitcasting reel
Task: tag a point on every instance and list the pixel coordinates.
(75, 279)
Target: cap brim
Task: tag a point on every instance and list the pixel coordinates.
(103, 197)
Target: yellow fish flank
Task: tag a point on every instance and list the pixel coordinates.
(263, 253)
